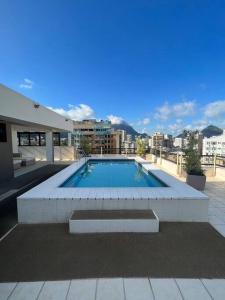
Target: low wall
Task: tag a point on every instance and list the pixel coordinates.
(39, 152)
(173, 169)
(60, 210)
(165, 164)
(220, 173)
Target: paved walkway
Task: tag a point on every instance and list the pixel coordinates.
(216, 192)
(116, 289)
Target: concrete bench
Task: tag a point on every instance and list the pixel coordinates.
(97, 221)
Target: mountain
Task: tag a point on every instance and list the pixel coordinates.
(209, 131)
(129, 129)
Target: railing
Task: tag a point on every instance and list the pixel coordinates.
(210, 163)
(102, 150)
(206, 160)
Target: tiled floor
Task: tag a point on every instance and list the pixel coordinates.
(216, 192)
(116, 288)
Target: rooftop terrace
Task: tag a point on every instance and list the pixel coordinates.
(183, 261)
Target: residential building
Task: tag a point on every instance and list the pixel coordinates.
(178, 142)
(157, 140)
(161, 140)
(214, 145)
(101, 136)
(168, 141)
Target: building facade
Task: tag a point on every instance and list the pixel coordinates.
(214, 145)
(99, 134)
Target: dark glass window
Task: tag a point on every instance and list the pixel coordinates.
(42, 139)
(31, 138)
(3, 136)
(24, 139)
(56, 139)
(34, 139)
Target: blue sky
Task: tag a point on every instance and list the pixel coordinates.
(159, 65)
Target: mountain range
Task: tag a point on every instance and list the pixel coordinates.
(209, 131)
(129, 129)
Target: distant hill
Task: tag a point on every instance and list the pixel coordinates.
(129, 129)
(209, 131)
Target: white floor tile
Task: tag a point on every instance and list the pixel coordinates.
(192, 289)
(82, 289)
(216, 288)
(54, 290)
(110, 289)
(26, 291)
(165, 289)
(6, 289)
(137, 289)
(220, 229)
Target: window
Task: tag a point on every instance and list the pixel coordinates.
(56, 139)
(42, 141)
(31, 139)
(3, 136)
(23, 138)
(34, 139)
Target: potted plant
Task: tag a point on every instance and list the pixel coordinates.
(195, 174)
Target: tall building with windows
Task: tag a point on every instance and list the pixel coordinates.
(100, 135)
(214, 145)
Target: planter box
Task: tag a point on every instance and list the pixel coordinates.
(196, 181)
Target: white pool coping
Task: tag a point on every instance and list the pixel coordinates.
(176, 190)
(51, 187)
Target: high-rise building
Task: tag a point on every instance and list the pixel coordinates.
(214, 145)
(100, 135)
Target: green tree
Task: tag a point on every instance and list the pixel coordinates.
(140, 147)
(85, 145)
(192, 156)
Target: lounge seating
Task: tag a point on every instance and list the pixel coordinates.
(28, 161)
(19, 160)
(17, 163)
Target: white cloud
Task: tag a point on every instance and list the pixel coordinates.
(115, 119)
(201, 124)
(145, 121)
(76, 113)
(215, 109)
(179, 126)
(26, 84)
(180, 109)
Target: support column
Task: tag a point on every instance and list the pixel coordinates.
(49, 147)
(69, 139)
(14, 140)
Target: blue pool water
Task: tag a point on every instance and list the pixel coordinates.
(112, 173)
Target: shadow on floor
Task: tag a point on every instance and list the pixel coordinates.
(8, 207)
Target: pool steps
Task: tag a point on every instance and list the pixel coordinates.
(103, 221)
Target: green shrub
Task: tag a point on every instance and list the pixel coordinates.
(192, 157)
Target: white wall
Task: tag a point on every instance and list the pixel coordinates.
(39, 152)
(18, 107)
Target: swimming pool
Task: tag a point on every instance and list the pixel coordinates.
(54, 202)
(112, 173)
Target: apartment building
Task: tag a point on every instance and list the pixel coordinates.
(100, 135)
(161, 140)
(214, 145)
